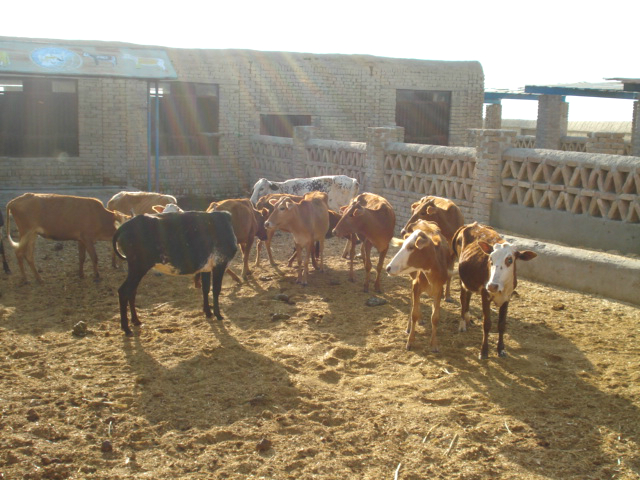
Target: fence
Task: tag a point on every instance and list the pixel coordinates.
(582, 199)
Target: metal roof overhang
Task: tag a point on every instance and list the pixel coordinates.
(582, 91)
(496, 97)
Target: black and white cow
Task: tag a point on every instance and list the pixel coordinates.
(177, 244)
(340, 188)
(5, 265)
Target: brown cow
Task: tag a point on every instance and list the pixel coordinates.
(265, 207)
(487, 265)
(441, 211)
(426, 256)
(245, 226)
(372, 219)
(60, 217)
(308, 222)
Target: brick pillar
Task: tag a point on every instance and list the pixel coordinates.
(606, 142)
(299, 159)
(553, 121)
(377, 139)
(487, 178)
(635, 130)
(493, 116)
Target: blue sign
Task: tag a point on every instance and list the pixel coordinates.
(77, 60)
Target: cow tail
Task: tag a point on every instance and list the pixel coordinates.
(456, 243)
(8, 226)
(115, 244)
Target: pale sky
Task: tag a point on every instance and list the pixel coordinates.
(518, 43)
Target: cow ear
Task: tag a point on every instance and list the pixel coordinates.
(273, 201)
(213, 206)
(526, 255)
(430, 210)
(289, 204)
(486, 248)
(421, 241)
(264, 212)
(357, 212)
(414, 205)
(273, 186)
(158, 208)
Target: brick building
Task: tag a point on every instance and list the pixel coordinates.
(181, 120)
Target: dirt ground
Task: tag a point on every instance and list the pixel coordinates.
(319, 387)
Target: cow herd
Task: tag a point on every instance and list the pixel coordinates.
(150, 231)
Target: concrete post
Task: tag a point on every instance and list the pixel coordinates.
(635, 130)
(606, 142)
(377, 139)
(553, 121)
(493, 116)
(487, 179)
(299, 159)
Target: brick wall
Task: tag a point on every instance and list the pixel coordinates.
(345, 95)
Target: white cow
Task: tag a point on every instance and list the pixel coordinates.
(340, 188)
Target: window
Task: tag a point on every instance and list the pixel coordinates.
(425, 116)
(38, 117)
(188, 118)
(282, 125)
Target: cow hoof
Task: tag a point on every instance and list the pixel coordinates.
(483, 356)
(435, 350)
(502, 354)
(449, 300)
(128, 334)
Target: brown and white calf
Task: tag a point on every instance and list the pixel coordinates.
(426, 256)
(308, 222)
(371, 218)
(60, 217)
(487, 265)
(137, 203)
(442, 211)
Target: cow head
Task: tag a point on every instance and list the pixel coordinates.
(421, 210)
(263, 187)
(352, 216)
(502, 261)
(419, 243)
(282, 212)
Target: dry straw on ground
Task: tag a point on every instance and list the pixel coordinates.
(317, 387)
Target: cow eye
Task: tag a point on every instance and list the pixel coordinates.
(509, 261)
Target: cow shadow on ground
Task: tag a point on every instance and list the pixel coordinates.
(546, 383)
(217, 386)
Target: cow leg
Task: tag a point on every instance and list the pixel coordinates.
(347, 247)
(25, 250)
(213, 280)
(234, 275)
(502, 326)
(205, 283)
(91, 249)
(416, 290)
(465, 300)
(246, 271)
(127, 296)
(270, 234)
(258, 248)
(352, 256)
(383, 254)
(5, 265)
(320, 252)
(366, 249)
(306, 252)
(435, 319)
(447, 294)
(82, 253)
(486, 324)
